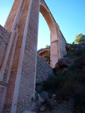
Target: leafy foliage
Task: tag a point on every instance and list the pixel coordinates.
(46, 46)
(79, 38)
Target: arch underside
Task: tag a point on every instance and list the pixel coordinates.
(54, 33)
(47, 15)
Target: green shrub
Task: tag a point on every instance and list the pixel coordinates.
(79, 38)
(71, 83)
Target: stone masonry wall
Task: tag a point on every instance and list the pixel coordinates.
(4, 38)
(62, 44)
(15, 65)
(12, 15)
(43, 70)
(28, 72)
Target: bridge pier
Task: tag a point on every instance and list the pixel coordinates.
(18, 69)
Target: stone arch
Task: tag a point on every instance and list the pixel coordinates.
(54, 42)
(18, 71)
(47, 17)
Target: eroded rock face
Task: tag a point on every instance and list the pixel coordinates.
(69, 48)
(42, 108)
(63, 65)
(44, 95)
(43, 70)
(45, 54)
(50, 105)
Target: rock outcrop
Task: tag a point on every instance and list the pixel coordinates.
(65, 92)
(63, 65)
(43, 70)
(45, 54)
(69, 48)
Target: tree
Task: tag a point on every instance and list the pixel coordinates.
(79, 38)
(46, 46)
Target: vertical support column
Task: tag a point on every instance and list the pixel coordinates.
(54, 31)
(21, 87)
(28, 73)
(10, 20)
(9, 57)
(55, 49)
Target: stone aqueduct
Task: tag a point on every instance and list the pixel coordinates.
(18, 53)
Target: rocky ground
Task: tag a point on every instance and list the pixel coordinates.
(45, 54)
(64, 91)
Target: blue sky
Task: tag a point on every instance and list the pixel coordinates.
(69, 14)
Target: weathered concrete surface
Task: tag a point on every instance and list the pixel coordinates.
(18, 69)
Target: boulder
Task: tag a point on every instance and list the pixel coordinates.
(63, 64)
(42, 108)
(38, 98)
(44, 95)
(69, 48)
(53, 96)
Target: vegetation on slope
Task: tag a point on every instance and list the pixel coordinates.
(70, 83)
(79, 38)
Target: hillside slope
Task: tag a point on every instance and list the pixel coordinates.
(67, 87)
